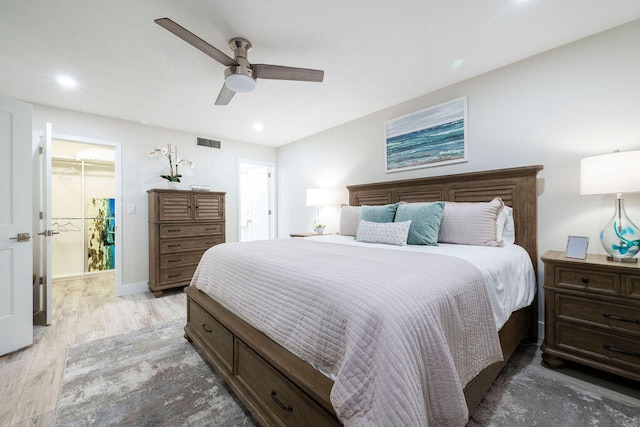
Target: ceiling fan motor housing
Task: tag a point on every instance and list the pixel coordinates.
(237, 76)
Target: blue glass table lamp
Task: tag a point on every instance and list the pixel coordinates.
(615, 173)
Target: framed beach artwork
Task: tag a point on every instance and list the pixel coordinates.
(434, 136)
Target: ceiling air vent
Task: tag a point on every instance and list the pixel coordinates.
(211, 143)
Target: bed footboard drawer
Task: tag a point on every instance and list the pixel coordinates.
(287, 404)
(217, 338)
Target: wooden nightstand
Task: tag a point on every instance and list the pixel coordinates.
(304, 234)
(592, 313)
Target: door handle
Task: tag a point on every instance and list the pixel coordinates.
(48, 233)
(21, 237)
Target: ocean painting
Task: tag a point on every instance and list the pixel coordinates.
(431, 137)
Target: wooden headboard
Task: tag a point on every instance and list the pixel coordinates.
(516, 186)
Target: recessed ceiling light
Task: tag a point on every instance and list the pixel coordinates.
(66, 81)
(457, 64)
(258, 126)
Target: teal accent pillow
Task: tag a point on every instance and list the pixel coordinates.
(384, 213)
(425, 221)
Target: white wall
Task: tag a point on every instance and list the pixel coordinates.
(216, 168)
(552, 109)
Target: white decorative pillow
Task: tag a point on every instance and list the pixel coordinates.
(471, 223)
(349, 218)
(506, 230)
(389, 233)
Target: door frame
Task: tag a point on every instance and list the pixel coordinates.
(117, 146)
(273, 223)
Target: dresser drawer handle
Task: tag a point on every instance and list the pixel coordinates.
(175, 230)
(175, 244)
(171, 276)
(585, 280)
(282, 406)
(175, 260)
(617, 350)
(622, 319)
(206, 329)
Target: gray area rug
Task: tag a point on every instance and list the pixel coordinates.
(150, 377)
(155, 377)
(524, 396)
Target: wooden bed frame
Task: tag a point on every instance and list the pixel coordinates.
(280, 389)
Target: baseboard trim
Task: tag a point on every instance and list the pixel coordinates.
(132, 288)
(540, 331)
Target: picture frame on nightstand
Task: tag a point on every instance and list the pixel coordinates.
(577, 247)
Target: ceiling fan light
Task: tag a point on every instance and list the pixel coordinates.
(240, 83)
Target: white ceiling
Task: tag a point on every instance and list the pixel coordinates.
(375, 54)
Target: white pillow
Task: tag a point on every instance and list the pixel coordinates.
(506, 230)
(467, 223)
(349, 218)
(389, 233)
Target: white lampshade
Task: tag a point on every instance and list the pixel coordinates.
(240, 83)
(610, 173)
(318, 197)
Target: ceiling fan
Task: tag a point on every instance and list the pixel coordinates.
(240, 75)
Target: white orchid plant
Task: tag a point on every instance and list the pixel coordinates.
(318, 226)
(171, 153)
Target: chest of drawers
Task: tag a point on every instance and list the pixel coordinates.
(592, 313)
(182, 226)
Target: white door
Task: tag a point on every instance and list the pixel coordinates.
(42, 225)
(16, 256)
(256, 210)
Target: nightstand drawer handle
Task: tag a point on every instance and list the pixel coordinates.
(274, 397)
(206, 329)
(622, 319)
(585, 280)
(617, 350)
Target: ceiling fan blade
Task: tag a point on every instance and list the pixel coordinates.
(279, 72)
(195, 41)
(225, 95)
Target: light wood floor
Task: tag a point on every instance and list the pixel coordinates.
(83, 310)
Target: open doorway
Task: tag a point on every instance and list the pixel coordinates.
(256, 201)
(83, 214)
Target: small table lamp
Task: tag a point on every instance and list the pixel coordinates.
(317, 197)
(608, 174)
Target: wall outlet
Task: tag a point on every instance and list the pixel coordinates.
(131, 209)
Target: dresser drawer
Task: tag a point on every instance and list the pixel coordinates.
(284, 400)
(180, 259)
(189, 244)
(587, 280)
(613, 349)
(216, 337)
(612, 316)
(633, 287)
(173, 276)
(173, 230)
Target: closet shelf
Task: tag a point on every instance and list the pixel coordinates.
(80, 217)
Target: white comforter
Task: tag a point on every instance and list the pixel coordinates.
(400, 334)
